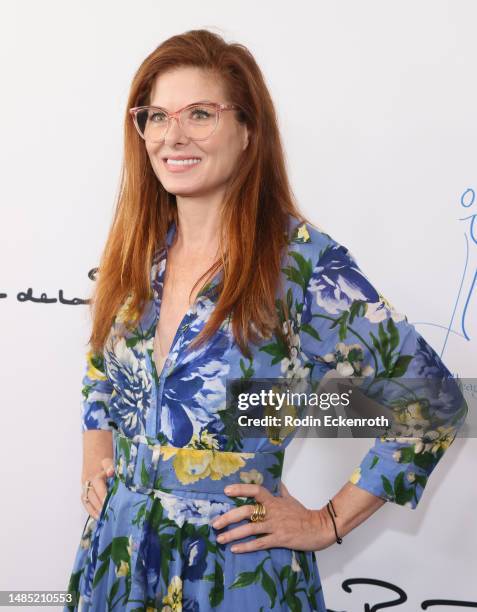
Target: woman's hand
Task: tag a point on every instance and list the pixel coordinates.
(97, 491)
(287, 523)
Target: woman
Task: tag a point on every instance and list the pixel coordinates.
(210, 273)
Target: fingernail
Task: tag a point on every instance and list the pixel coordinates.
(216, 524)
(233, 548)
(228, 490)
(220, 538)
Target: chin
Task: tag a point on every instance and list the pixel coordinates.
(180, 190)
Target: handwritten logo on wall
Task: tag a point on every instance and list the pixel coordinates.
(468, 280)
(401, 597)
(27, 296)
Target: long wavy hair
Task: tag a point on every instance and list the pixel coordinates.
(254, 218)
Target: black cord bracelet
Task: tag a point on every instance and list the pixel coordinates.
(338, 539)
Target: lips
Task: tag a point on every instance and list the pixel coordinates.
(179, 165)
(181, 157)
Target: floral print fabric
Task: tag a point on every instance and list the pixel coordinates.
(153, 547)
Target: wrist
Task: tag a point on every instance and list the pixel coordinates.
(323, 525)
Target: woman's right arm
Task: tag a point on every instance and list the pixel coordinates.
(97, 432)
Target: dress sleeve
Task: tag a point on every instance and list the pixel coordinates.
(97, 390)
(348, 327)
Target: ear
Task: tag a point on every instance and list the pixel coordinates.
(245, 138)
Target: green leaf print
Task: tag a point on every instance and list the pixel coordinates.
(402, 494)
(307, 328)
(285, 573)
(406, 454)
(269, 586)
(247, 371)
(424, 460)
(99, 573)
(387, 486)
(97, 360)
(278, 350)
(112, 593)
(125, 448)
(245, 579)
(400, 367)
(302, 560)
(106, 552)
(393, 335)
(144, 474)
(119, 550)
(276, 469)
(73, 588)
(399, 493)
(140, 515)
(421, 480)
(216, 594)
(357, 309)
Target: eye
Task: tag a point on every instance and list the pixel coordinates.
(200, 113)
(157, 117)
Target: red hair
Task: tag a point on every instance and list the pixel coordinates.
(256, 208)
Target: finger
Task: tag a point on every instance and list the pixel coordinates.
(243, 532)
(267, 541)
(108, 465)
(92, 505)
(100, 488)
(233, 516)
(283, 490)
(261, 494)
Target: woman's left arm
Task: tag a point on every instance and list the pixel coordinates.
(288, 524)
(348, 329)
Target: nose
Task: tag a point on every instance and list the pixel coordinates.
(174, 132)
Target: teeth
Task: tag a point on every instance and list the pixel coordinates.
(183, 162)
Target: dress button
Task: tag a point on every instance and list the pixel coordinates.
(167, 363)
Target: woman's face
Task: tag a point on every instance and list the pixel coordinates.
(218, 154)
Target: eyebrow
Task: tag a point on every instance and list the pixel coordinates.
(197, 102)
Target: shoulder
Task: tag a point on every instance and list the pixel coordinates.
(313, 242)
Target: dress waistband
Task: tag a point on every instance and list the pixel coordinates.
(145, 465)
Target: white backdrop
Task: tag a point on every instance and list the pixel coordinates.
(377, 103)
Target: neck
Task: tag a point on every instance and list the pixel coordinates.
(198, 227)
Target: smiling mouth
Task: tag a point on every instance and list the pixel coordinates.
(192, 161)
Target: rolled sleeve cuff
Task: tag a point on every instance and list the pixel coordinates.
(385, 477)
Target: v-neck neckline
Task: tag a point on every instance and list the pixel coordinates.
(157, 281)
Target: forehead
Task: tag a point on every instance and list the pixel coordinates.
(184, 85)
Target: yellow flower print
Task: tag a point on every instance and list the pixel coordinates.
(93, 371)
(173, 599)
(191, 465)
(252, 477)
(302, 233)
(412, 415)
(125, 315)
(355, 476)
(168, 451)
(123, 569)
(205, 441)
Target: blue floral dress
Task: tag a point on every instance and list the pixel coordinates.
(153, 547)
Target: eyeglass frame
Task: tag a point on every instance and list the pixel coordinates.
(176, 115)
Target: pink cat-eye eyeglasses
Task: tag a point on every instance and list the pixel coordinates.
(198, 121)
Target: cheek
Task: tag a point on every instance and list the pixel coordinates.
(154, 158)
(224, 158)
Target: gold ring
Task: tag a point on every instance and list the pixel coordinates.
(86, 487)
(258, 513)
